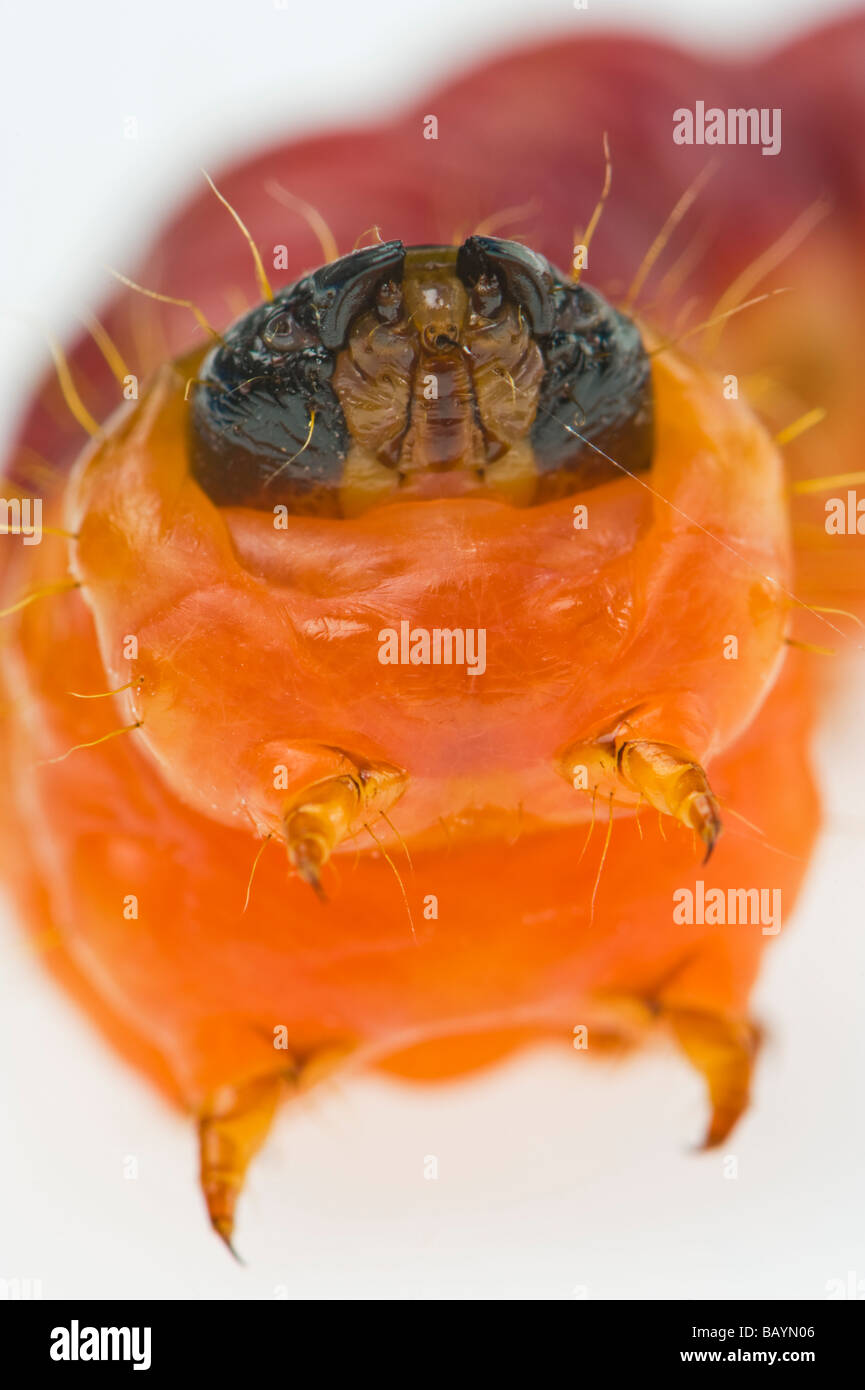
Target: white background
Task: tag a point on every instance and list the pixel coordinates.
(556, 1180)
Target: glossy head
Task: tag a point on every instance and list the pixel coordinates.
(425, 372)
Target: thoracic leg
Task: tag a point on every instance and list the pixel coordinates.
(723, 1051)
(232, 1126)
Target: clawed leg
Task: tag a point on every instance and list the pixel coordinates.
(235, 1121)
(723, 1051)
(232, 1127)
(674, 784)
(323, 815)
(634, 770)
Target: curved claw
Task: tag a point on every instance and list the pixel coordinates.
(307, 856)
(705, 818)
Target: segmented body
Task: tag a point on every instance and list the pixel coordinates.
(465, 909)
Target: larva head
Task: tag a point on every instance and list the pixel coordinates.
(436, 371)
(430, 527)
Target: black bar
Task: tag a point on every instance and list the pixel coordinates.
(241, 1340)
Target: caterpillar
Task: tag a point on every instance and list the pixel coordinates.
(418, 659)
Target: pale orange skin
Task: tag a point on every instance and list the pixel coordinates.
(258, 647)
(627, 618)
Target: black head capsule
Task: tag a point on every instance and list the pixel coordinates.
(322, 399)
